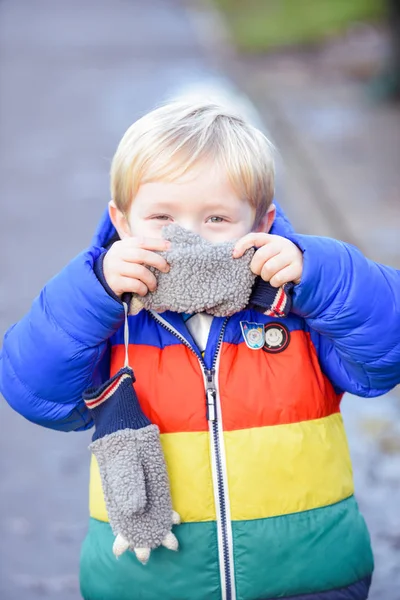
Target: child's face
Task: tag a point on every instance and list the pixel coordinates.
(203, 201)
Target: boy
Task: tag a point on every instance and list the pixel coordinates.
(264, 486)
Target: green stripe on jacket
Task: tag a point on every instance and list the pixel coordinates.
(312, 551)
(192, 572)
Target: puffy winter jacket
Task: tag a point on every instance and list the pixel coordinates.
(265, 489)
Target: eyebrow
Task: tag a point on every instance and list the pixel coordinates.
(161, 204)
(208, 205)
(220, 208)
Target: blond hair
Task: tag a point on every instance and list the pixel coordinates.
(165, 143)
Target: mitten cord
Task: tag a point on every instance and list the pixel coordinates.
(126, 334)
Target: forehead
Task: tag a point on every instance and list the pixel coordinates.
(207, 183)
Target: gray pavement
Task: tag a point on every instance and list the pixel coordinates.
(73, 75)
(339, 154)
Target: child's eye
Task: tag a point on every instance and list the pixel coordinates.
(216, 219)
(161, 217)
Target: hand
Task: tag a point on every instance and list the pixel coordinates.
(124, 265)
(277, 259)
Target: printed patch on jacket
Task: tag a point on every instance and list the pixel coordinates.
(253, 334)
(277, 337)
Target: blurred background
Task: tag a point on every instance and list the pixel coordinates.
(320, 76)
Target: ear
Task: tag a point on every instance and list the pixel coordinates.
(119, 221)
(266, 222)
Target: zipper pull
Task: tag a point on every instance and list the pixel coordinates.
(211, 395)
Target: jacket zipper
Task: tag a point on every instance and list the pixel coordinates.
(213, 410)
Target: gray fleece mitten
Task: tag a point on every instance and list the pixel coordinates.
(132, 469)
(203, 277)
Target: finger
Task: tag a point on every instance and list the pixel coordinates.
(139, 272)
(120, 545)
(142, 554)
(157, 244)
(170, 541)
(263, 255)
(274, 265)
(176, 519)
(146, 257)
(128, 284)
(251, 240)
(289, 273)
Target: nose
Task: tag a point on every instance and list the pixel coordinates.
(190, 225)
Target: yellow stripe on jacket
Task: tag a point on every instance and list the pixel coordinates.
(272, 471)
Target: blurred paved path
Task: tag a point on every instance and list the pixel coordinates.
(340, 176)
(340, 154)
(73, 75)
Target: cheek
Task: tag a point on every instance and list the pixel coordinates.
(142, 228)
(243, 229)
(246, 223)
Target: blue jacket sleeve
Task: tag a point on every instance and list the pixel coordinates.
(352, 307)
(61, 347)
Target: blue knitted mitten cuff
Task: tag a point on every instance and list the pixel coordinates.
(269, 300)
(115, 406)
